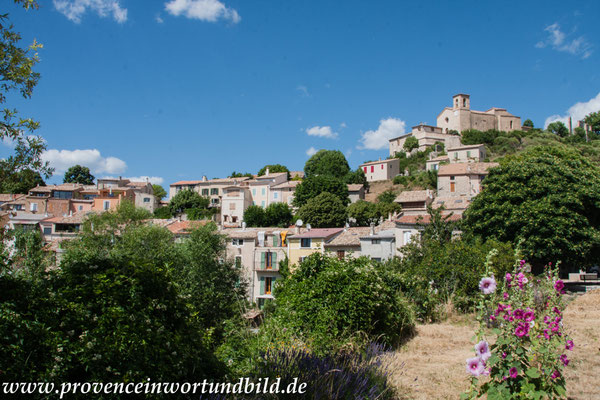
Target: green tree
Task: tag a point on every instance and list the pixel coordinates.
(21, 181)
(327, 162)
(528, 123)
(159, 192)
(387, 196)
(410, 144)
(324, 211)
(278, 214)
(357, 177)
(328, 301)
(558, 128)
(187, 199)
(363, 213)
(273, 168)
(315, 185)
(163, 213)
(79, 174)
(385, 209)
(545, 201)
(17, 75)
(255, 216)
(593, 120)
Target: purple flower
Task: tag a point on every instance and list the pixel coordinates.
(559, 286)
(556, 310)
(547, 334)
(487, 285)
(555, 375)
(504, 355)
(564, 359)
(508, 277)
(529, 316)
(483, 350)
(505, 295)
(513, 373)
(569, 345)
(475, 366)
(518, 313)
(522, 330)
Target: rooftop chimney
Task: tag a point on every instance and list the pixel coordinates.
(372, 233)
(204, 178)
(267, 172)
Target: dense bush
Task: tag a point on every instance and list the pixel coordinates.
(330, 302)
(313, 186)
(276, 214)
(323, 211)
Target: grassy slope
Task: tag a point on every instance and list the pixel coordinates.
(432, 364)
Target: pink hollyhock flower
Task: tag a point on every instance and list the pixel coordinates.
(513, 373)
(564, 360)
(522, 262)
(529, 316)
(508, 277)
(546, 334)
(556, 310)
(559, 286)
(518, 313)
(505, 295)
(522, 330)
(487, 285)
(504, 355)
(492, 317)
(483, 350)
(555, 375)
(475, 366)
(569, 345)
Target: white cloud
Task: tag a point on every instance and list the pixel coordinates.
(204, 10)
(343, 125)
(74, 9)
(311, 152)
(62, 160)
(577, 112)
(322, 131)
(159, 19)
(388, 129)
(303, 90)
(557, 39)
(155, 180)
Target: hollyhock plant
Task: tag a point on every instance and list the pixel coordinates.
(521, 336)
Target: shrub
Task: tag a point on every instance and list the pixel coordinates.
(530, 351)
(324, 211)
(329, 301)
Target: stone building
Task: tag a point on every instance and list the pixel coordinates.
(460, 117)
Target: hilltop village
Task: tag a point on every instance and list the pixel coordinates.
(457, 173)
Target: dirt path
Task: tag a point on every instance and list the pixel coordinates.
(432, 365)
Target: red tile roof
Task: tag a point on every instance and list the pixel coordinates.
(422, 218)
(318, 233)
(472, 168)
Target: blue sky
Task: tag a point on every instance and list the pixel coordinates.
(178, 89)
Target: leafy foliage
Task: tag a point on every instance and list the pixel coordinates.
(328, 301)
(79, 174)
(274, 168)
(558, 128)
(278, 214)
(593, 120)
(187, 199)
(327, 162)
(315, 185)
(20, 182)
(235, 174)
(528, 123)
(411, 143)
(159, 192)
(363, 213)
(162, 213)
(254, 216)
(324, 211)
(546, 201)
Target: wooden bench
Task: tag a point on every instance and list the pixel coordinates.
(589, 277)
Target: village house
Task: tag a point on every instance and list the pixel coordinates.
(303, 244)
(235, 201)
(460, 117)
(434, 163)
(284, 192)
(470, 153)
(426, 135)
(381, 170)
(356, 192)
(462, 179)
(414, 201)
(211, 188)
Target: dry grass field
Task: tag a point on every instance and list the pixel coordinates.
(432, 364)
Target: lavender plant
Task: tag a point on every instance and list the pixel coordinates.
(530, 352)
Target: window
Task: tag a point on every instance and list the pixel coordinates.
(375, 241)
(447, 119)
(268, 260)
(452, 177)
(214, 191)
(372, 168)
(406, 236)
(365, 168)
(47, 230)
(275, 195)
(60, 194)
(263, 191)
(146, 199)
(262, 204)
(376, 259)
(456, 156)
(382, 166)
(268, 285)
(305, 242)
(253, 192)
(237, 242)
(468, 154)
(204, 192)
(511, 124)
(436, 167)
(106, 205)
(238, 261)
(341, 254)
(19, 207)
(234, 218)
(464, 102)
(452, 187)
(214, 201)
(33, 207)
(80, 208)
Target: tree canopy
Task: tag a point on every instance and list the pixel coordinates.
(528, 123)
(593, 120)
(159, 192)
(558, 128)
(327, 162)
(410, 144)
(315, 185)
(323, 211)
(546, 201)
(274, 168)
(20, 182)
(187, 199)
(79, 174)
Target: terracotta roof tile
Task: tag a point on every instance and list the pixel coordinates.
(354, 187)
(473, 168)
(413, 196)
(422, 218)
(318, 233)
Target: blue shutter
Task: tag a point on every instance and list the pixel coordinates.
(274, 260)
(262, 285)
(262, 260)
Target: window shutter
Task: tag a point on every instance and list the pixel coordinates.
(262, 260)
(274, 260)
(275, 241)
(262, 284)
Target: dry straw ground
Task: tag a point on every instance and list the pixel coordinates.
(432, 364)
